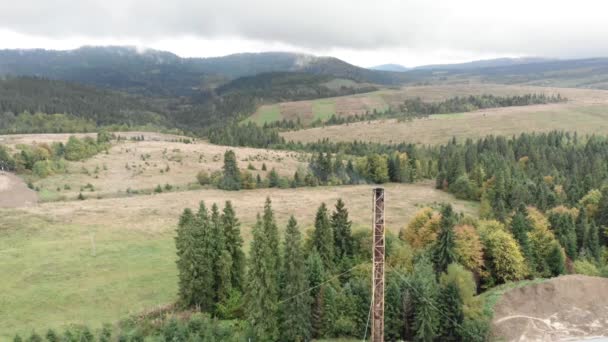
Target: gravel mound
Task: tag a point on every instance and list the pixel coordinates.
(566, 308)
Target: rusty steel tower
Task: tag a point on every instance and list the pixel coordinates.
(378, 266)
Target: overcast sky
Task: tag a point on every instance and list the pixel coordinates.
(370, 32)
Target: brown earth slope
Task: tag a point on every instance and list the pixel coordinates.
(567, 308)
(14, 193)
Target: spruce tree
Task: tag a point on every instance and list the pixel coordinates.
(185, 246)
(232, 175)
(424, 299)
(262, 286)
(592, 243)
(295, 311)
(221, 262)
(582, 229)
(323, 238)
(316, 275)
(443, 249)
(272, 234)
(234, 246)
(520, 226)
(452, 315)
(204, 287)
(556, 260)
(342, 232)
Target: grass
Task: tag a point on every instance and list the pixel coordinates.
(438, 129)
(266, 114)
(51, 277)
(323, 109)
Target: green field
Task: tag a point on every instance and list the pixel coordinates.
(56, 274)
(323, 109)
(266, 114)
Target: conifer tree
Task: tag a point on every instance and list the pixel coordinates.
(444, 248)
(316, 275)
(582, 229)
(424, 297)
(234, 246)
(221, 261)
(556, 259)
(232, 175)
(342, 232)
(184, 244)
(520, 227)
(272, 234)
(452, 315)
(262, 286)
(592, 243)
(204, 288)
(323, 238)
(295, 311)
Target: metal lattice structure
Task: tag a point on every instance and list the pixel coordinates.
(378, 266)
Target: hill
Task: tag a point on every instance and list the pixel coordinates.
(98, 106)
(160, 73)
(390, 67)
(486, 63)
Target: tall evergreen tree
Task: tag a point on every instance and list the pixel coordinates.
(342, 232)
(222, 261)
(184, 244)
(262, 288)
(592, 243)
(323, 238)
(272, 234)
(443, 249)
(316, 275)
(204, 288)
(232, 175)
(295, 311)
(234, 246)
(424, 300)
(556, 259)
(520, 227)
(452, 315)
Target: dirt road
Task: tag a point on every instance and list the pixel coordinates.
(14, 193)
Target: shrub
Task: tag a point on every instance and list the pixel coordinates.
(203, 177)
(158, 189)
(586, 267)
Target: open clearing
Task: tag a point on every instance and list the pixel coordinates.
(309, 111)
(438, 129)
(94, 261)
(142, 165)
(570, 308)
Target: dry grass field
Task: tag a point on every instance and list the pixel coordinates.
(142, 165)
(309, 111)
(585, 112)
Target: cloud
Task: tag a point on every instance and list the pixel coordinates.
(540, 27)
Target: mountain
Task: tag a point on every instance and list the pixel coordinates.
(390, 67)
(160, 73)
(487, 63)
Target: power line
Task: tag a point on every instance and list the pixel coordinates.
(314, 287)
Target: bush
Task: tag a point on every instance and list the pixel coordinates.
(203, 178)
(586, 267)
(158, 189)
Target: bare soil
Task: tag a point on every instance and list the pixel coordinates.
(14, 192)
(567, 308)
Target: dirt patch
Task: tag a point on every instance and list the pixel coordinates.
(14, 193)
(567, 308)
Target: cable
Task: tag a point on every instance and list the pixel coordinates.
(314, 287)
(369, 314)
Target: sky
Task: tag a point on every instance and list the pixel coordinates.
(365, 33)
